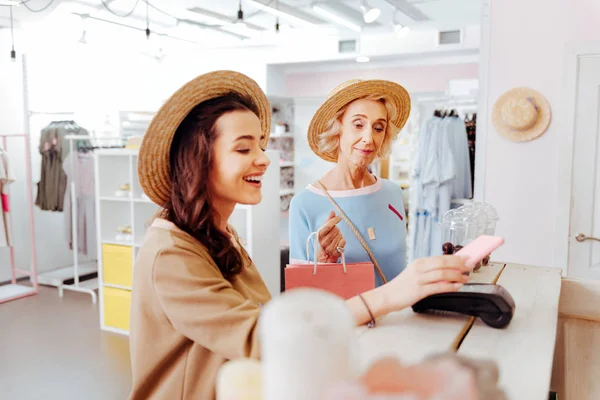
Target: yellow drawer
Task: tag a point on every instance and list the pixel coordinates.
(116, 308)
(117, 266)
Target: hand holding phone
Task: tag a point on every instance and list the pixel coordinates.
(479, 248)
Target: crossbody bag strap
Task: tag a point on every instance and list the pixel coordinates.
(356, 232)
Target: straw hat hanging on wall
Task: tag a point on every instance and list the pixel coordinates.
(521, 114)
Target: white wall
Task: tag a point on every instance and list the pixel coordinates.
(527, 47)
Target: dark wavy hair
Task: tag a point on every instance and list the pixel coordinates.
(189, 205)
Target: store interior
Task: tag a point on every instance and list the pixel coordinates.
(98, 70)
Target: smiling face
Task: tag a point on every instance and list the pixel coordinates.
(238, 161)
(363, 130)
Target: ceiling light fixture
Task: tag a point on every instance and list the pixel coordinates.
(323, 10)
(240, 15)
(362, 59)
(147, 22)
(277, 17)
(285, 11)
(401, 31)
(370, 14)
(13, 54)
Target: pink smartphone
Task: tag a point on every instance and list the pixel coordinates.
(480, 248)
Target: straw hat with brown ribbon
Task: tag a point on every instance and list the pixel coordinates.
(521, 114)
(153, 163)
(349, 91)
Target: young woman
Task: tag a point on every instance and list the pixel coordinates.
(196, 294)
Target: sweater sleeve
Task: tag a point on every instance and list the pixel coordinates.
(203, 306)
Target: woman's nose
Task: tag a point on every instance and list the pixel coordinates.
(368, 135)
(262, 160)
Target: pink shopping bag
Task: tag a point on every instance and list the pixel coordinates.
(343, 279)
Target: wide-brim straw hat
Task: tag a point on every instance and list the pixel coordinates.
(349, 91)
(521, 114)
(154, 155)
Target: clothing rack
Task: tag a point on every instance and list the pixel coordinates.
(14, 291)
(58, 276)
(88, 286)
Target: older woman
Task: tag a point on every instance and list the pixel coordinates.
(349, 206)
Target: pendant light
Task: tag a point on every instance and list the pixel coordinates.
(147, 22)
(277, 16)
(240, 15)
(370, 14)
(13, 54)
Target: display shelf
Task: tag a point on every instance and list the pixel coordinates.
(115, 168)
(117, 218)
(282, 140)
(116, 174)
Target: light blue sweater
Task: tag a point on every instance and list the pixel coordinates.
(379, 206)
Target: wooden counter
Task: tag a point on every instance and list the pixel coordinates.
(524, 350)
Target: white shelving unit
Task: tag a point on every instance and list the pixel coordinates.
(118, 209)
(257, 226)
(282, 140)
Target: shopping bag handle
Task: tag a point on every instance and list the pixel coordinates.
(316, 247)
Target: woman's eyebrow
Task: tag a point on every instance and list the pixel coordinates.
(244, 137)
(364, 116)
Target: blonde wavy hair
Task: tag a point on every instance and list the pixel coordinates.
(329, 141)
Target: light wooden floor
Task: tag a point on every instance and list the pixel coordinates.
(52, 348)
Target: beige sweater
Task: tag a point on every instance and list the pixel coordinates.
(186, 319)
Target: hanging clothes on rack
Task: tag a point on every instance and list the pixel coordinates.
(53, 181)
(433, 177)
(6, 178)
(441, 173)
(471, 127)
(416, 202)
(83, 176)
(457, 134)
